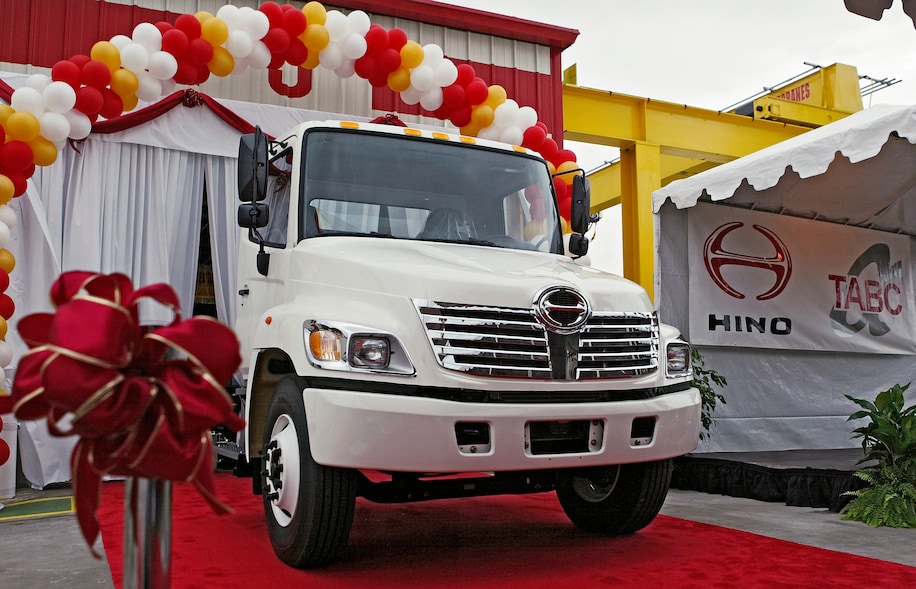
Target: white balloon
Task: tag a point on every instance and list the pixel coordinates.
(422, 77)
(359, 22)
(8, 216)
(431, 99)
(162, 65)
(347, 69)
(331, 57)
(254, 22)
(38, 81)
(353, 46)
(59, 96)
(120, 41)
(410, 96)
(4, 235)
(336, 24)
(492, 133)
(239, 44)
(135, 58)
(3, 383)
(432, 54)
(54, 126)
(511, 135)
(527, 117)
(446, 73)
(6, 354)
(231, 15)
(149, 88)
(505, 114)
(259, 58)
(147, 35)
(26, 99)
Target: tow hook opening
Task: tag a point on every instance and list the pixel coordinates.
(473, 437)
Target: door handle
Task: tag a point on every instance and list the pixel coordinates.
(243, 292)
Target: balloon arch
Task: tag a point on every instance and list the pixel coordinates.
(48, 111)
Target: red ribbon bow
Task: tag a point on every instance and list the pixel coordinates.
(142, 401)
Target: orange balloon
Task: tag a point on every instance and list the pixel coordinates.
(124, 82)
(311, 62)
(130, 102)
(202, 16)
(551, 168)
(470, 130)
(566, 171)
(496, 95)
(214, 31)
(7, 261)
(411, 55)
(315, 13)
(5, 112)
(7, 189)
(399, 79)
(44, 152)
(222, 63)
(3, 328)
(107, 53)
(564, 226)
(22, 126)
(482, 115)
(315, 37)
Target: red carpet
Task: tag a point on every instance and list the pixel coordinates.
(508, 541)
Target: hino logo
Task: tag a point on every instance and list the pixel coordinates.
(715, 257)
(561, 309)
(868, 297)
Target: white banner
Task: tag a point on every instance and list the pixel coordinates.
(773, 281)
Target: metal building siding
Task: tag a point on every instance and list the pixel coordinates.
(37, 34)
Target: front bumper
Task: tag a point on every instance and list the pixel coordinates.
(413, 434)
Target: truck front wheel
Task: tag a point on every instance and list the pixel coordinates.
(615, 500)
(309, 507)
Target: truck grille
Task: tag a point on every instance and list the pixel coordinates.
(506, 341)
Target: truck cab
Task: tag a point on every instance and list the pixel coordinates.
(414, 328)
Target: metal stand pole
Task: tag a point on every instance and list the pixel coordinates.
(147, 533)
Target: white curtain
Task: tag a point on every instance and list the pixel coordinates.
(222, 204)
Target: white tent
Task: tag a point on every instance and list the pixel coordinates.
(792, 270)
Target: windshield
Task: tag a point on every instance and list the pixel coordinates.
(379, 185)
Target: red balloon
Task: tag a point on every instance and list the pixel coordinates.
(164, 27)
(96, 74)
(68, 72)
(293, 21)
(442, 113)
(175, 42)
(389, 60)
(461, 116)
(276, 61)
(4, 280)
(16, 156)
(7, 306)
(533, 137)
(466, 74)
(564, 202)
(376, 39)
(273, 12)
(112, 104)
(454, 96)
(548, 148)
(2, 135)
(379, 79)
(200, 52)
(20, 181)
(565, 155)
(366, 67)
(560, 187)
(203, 73)
(277, 40)
(80, 60)
(187, 71)
(397, 38)
(89, 100)
(477, 91)
(4, 451)
(297, 52)
(543, 125)
(189, 25)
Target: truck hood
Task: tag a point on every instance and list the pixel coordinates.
(455, 272)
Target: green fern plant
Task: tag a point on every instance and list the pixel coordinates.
(889, 441)
(706, 379)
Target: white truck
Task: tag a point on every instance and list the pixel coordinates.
(413, 329)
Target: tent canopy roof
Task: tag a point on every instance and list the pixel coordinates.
(870, 157)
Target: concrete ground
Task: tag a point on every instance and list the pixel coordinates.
(50, 552)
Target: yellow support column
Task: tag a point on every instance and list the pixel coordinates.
(640, 166)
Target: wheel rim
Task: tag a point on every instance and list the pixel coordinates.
(282, 470)
(596, 489)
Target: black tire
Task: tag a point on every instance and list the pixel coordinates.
(309, 508)
(616, 500)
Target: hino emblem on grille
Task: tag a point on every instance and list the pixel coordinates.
(561, 309)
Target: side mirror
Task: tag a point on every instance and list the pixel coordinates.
(253, 166)
(253, 215)
(579, 216)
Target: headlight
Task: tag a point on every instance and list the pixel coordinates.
(333, 345)
(678, 359)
